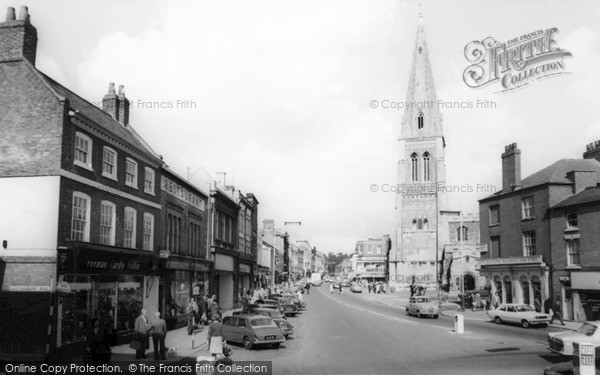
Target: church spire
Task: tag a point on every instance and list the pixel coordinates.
(422, 117)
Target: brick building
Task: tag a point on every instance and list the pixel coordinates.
(371, 259)
(183, 228)
(515, 223)
(81, 189)
(575, 245)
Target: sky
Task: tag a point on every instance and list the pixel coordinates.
(279, 94)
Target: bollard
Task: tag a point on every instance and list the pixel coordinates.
(585, 354)
(459, 323)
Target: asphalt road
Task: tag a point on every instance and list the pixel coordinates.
(350, 334)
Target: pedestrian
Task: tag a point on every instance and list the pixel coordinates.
(142, 328)
(331, 288)
(239, 304)
(215, 336)
(192, 312)
(477, 305)
(214, 308)
(203, 310)
(412, 290)
(307, 287)
(159, 334)
(97, 349)
(495, 300)
(556, 314)
(369, 286)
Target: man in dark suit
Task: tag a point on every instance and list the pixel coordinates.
(142, 328)
(159, 334)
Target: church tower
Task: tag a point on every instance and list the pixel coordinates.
(421, 176)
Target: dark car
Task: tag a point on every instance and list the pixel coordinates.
(286, 327)
(286, 307)
(252, 330)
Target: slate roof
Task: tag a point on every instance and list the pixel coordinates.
(585, 196)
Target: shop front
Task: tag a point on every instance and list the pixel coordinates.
(224, 281)
(517, 279)
(110, 284)
(585, 296)
(181, 281)
(244, 278)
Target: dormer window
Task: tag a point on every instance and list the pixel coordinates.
(420, 120)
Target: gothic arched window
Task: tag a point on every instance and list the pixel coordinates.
(420, 224)
(420, 120)
(462, 233)
(414, 167)
(414, 223)
(425, 224)
(426, 167)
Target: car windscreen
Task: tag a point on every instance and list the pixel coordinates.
(587, 329)
(422, 300)
(261, 322)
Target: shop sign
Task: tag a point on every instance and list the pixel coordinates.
(29, 288)
(182, 193)
(244, 268)
(511, 260)
(106, 262)
(585, 280)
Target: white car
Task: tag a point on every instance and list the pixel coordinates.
(562, 342)
(422, 306)
(522, 314)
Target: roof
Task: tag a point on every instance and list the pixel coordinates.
(556, 173)
(588, 195)
(98, 116)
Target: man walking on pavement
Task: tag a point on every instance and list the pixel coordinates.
(192, 313)
(159, 334)
(142, 328)
(556, 307)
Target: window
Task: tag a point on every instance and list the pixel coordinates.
(420, 120)
(573, 253)
(414, 224)
(494, 215)
(572, 220)
(414, 168)
(529, 243)
(109, 163)
(148, 232)
(379, 249)
(129, 234)
(83, 150)
(527, 208)
(426, 167)
(149, 181)
(370, 249)
(425, 224)
(80, 218)
(462, 233)
(131, 173)
(107, 223)
(420, 224)
(495, 247)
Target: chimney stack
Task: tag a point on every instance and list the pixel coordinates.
(511, 168)
(592, 151)
(110, 102)
(18, 38)
(123, 107)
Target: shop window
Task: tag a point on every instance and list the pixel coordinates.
(179, 293)
(76, 309)
(80, 217)
(129, 301)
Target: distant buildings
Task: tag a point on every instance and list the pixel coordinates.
(371, 259)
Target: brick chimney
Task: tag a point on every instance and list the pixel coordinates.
(18, 38)
(511, 168)
(110, 102)
(582, 180)
(123, 107)
(592, 151)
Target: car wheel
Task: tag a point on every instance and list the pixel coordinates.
(276, 345)
(247, 343)
(498, 320)
(544, 325)
(419, 314)
(525, 323)
(407, 311)
(435, 316)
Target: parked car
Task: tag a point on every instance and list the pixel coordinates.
(285, 307)
(562, 342)
(252, 330)
(356, 288)
(337, 285)
(286, 327)
(422, 306)
(295, 299)
(522, 314)
(346, 283)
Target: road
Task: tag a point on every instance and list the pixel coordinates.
(350, 334)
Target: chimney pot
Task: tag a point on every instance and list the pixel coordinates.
(111, 88)
(10, 14)
(123, 107)
(597, 144)
(24, 13)
(121, 89)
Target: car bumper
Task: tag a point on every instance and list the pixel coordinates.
(262, 342)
